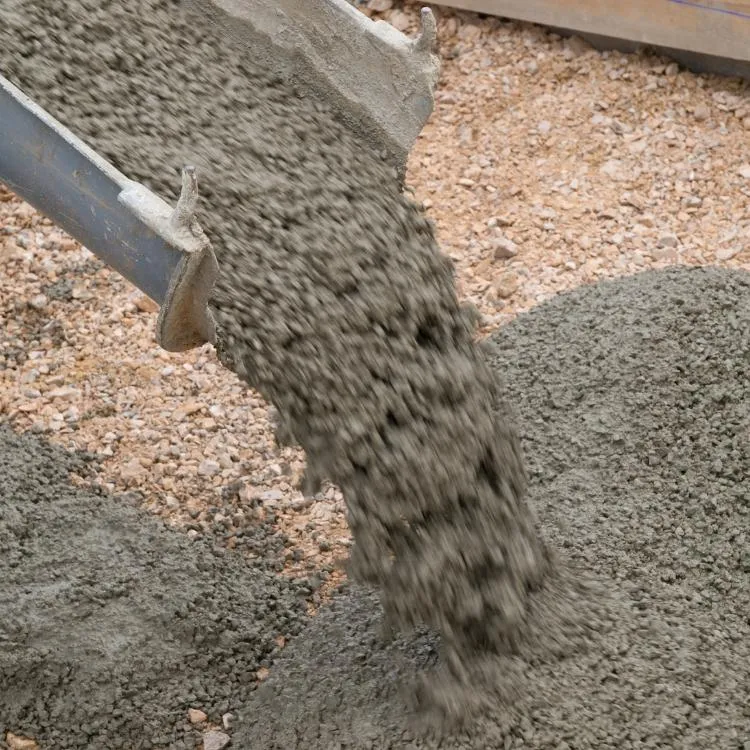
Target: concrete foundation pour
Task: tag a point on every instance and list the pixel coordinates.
(334, 301)
(338, 307)
(634, 406)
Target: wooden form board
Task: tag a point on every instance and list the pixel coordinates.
(710, 27)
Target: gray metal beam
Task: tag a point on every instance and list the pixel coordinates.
(60, 176)
(162, 252)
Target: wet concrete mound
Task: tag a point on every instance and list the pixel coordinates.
(633, 402)
(114, 625)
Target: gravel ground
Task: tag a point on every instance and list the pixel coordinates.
(633, 400)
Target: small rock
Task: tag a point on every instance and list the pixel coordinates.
(208, 468)
(701, 113)
(215, 740)
(469, 32)
(668, 240)
(746, 123)
(727, 253)
(506, 286)
(544, 127)
(744, 171)
(132, 470)
(216, 411)
(65, 393)
(615, 170)
(196, 716)
(466, 182)
(16, 742)
(227, 720)
(187, 410)
(39, 302)
(400, 20)
(146, 304)
(575, 47)
(380, 6)
(503, 248)
(500, 221)
(271, 497)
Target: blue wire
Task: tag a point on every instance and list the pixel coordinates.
(725, 11)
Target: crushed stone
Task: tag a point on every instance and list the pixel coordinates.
(633, 402)
(334, 301)
(114, 625)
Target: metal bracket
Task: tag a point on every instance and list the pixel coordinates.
(184, 320)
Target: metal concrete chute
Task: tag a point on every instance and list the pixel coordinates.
(377, 80)
(380, 81)
(159, 249)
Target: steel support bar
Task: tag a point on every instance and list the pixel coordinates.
(163, 253)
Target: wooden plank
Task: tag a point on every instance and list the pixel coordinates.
(711, 27)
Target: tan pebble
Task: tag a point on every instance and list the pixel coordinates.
(215, 740)
(577, 46)
(196, 716)
(615, 169)
(506, 286)
(132, 470)
(701, 113)
(16, 742)
(744, 171)
(500, 221)
(503, 248)
(262, 674)
(668, 240)
(663, 253)
(64, 393)
(146, 304)
(188, 409)
(400, 20)
(380, 6)
(30, 406)
(727, 253)
(469, 32)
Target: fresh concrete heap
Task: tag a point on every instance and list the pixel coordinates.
(634, 401)
(334, 300)
(113, 626)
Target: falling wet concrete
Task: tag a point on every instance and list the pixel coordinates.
(633, 400)
(333, 301)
